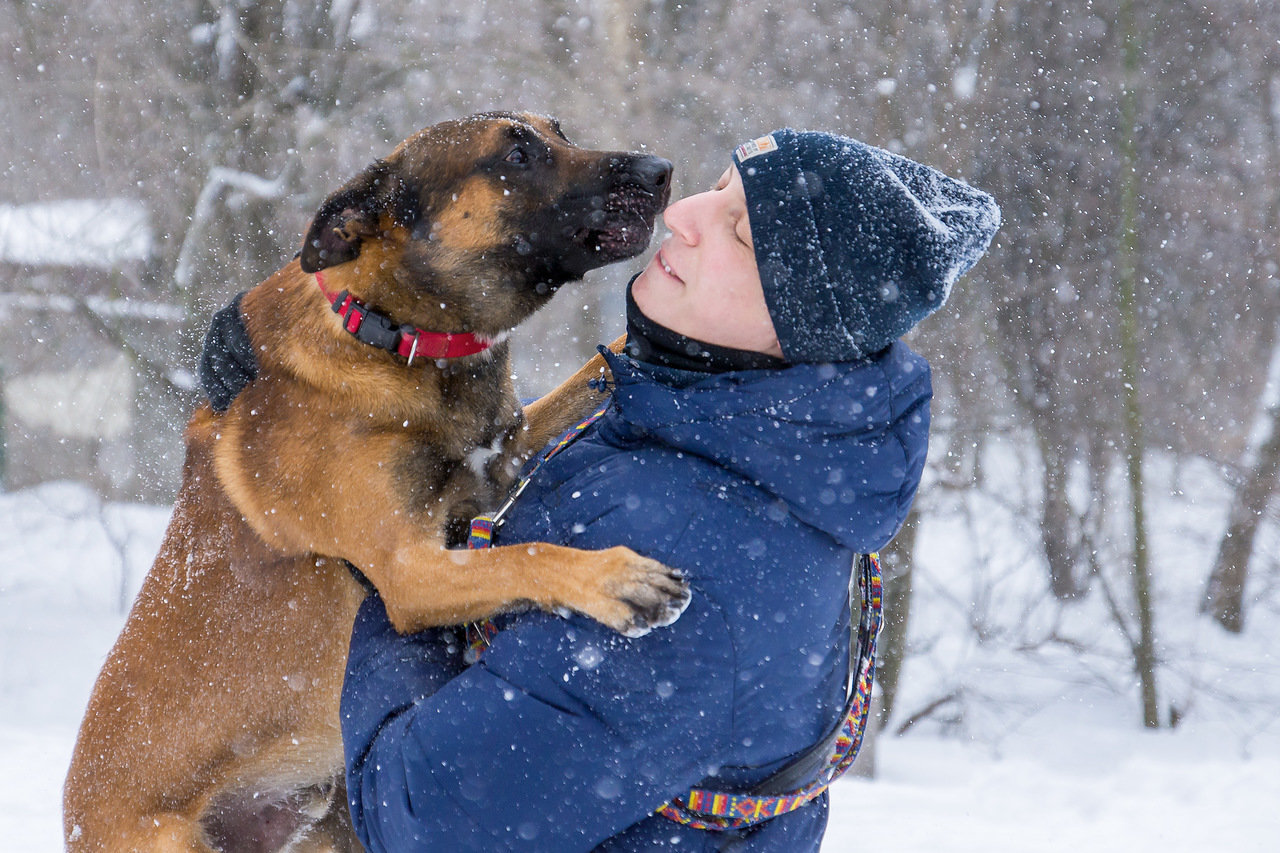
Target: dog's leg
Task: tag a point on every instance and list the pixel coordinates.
(258, 819)
(334, 833)
(427, 585)
(424, 584)
(567, 404)
(163, 833)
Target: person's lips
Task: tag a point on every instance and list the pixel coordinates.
(665, 266)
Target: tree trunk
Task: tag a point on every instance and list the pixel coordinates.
(1144, 656)
(1224, 595)
(3, 437)
(896, 561)
(1260, 467)
(1059, 524)
(891, 647)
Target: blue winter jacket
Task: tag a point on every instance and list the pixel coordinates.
(761, 485)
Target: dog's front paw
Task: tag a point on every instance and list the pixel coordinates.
(641, 594)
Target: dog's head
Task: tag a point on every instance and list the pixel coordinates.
(471, 225)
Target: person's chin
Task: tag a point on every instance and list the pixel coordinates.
(652, 294)
(649, 283)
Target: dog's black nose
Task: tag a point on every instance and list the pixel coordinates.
(652, 173)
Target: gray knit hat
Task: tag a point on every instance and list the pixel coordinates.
(855, 245)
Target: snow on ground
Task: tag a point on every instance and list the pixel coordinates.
(1038, 748)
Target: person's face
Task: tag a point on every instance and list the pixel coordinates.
(703, 281)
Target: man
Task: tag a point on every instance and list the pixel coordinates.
(765, 426)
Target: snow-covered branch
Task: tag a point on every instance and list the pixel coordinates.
(222, 178)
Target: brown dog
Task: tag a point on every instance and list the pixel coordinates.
(214, 723)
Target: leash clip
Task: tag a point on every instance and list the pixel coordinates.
(498, 517)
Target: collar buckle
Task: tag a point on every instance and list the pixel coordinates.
(373, 328)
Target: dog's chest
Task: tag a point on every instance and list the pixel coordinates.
(471, 465)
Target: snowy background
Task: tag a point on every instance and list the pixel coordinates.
(1035, 744)
(159, 156)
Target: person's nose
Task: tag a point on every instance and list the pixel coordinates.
(681, 219)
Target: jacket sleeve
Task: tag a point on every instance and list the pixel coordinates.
(563, 735)
(392, 672)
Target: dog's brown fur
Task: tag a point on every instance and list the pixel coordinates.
(214, 723)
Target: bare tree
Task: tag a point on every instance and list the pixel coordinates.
(1144, 654)
(1258, 468)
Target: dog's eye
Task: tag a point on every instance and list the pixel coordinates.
(518, 156)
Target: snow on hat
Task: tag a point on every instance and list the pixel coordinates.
(855, 245)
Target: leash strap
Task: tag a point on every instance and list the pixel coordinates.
(716, 810)
(480, 633)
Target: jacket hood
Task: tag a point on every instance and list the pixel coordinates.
(841, 446)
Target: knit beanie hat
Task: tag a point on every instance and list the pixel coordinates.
(855, 245)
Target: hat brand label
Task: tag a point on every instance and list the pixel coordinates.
(756, 147)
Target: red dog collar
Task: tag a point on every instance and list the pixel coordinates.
(379, 330)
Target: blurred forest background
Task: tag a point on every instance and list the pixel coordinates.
(158, 157)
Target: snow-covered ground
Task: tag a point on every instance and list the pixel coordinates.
(1038, 748)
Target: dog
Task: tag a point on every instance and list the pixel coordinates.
(214, 722)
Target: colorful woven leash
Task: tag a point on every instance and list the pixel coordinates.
(714, 810)
(480, 633)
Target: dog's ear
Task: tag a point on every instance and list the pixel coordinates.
(352, 214)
